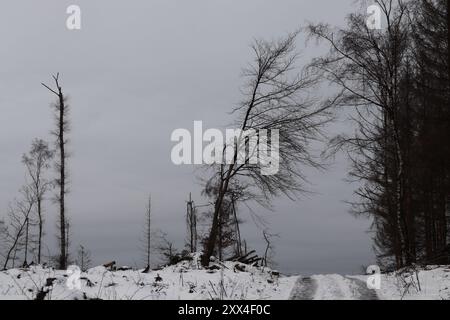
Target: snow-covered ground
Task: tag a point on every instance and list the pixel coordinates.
(429, 283)
(187, 280)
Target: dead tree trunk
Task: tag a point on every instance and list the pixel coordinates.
(62, 127)
(191, 221)
(238, 231)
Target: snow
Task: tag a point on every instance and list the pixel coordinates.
(430, 283)
(186, 280)
(421, 283)
(334, 287)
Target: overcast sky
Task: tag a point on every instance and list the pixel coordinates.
(136, 71)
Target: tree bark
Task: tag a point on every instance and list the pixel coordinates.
(62, 174)
(40, 230)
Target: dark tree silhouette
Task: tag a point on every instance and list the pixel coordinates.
(147, 232)
(397, 81)
(62, 128)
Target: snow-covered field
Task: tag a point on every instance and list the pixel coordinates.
(429, 283)
(188, 281)
(185, 280)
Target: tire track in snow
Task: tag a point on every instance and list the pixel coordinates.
(364, 292)
(331, 287)
(304, 289)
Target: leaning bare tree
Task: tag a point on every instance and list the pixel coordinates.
(62, 128)
(36, 162)
(17, 233)
(277, 96)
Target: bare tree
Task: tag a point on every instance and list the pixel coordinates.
(191, 223)
(277, 96)
(167, 249)
(83, 258)
(62, 128)
(269, 251)
(147, 231)
(36, 162)
(17, 233)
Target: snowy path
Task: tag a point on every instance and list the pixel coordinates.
(331, 287)
(304, 289)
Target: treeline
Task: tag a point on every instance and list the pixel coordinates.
(397, 79)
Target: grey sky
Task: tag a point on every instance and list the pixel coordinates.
(135, 72)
